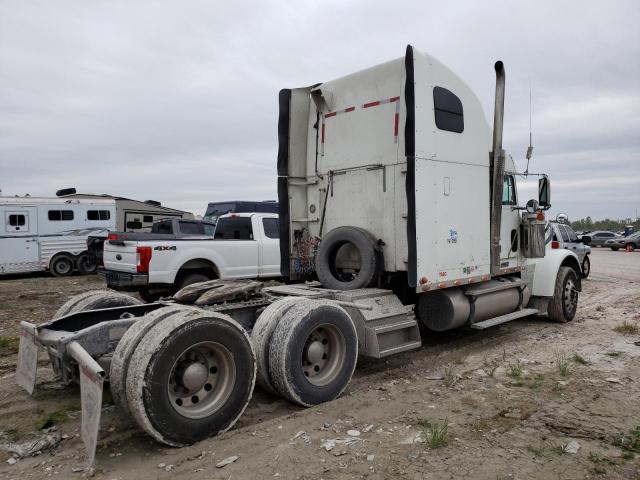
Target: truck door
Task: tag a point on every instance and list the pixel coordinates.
(270, 247)
(20, 252)
(509, 223)
(238, 247)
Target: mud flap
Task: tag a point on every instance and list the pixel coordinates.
(27, 357)
(91, 383)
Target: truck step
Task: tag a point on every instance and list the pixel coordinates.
(482, 290)
(504, 318)
(412, 345)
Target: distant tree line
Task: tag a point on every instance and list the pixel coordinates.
(606, 224)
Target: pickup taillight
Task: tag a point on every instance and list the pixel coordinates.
(112, 236)
(144, 258)
(555, 244)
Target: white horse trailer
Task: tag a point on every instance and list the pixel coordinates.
(51, 233)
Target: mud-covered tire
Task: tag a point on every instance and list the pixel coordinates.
(126, 346)
(154, 362)
(564, 304)
(62, 265)
(86, 264)
(586, 267)
(293, 353)
(261, 338)
(363, 251)
(93, 300)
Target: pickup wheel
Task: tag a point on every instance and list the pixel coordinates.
(313, 353)
(563, 305)
(62, 265)
(586, 266)
(86, 264)
(190, 278)
(126, 346)
(348, 258)
(261, 338)
(190, 377)
(94, 300)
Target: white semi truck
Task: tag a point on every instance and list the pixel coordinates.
(393, 191)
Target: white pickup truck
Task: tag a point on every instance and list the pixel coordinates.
(244, 245)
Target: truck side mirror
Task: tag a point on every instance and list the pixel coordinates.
(134, 225)
(544, 192)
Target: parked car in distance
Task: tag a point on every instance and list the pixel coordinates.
(598, 238)
(632, 242)
(563, 236)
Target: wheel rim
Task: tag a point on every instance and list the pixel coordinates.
(62, 267)
(323, 355)
(570, 297)
(586, 266)
(346, 262)
(201, 380)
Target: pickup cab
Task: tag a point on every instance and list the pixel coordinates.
(243, 245)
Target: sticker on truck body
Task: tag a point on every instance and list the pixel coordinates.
(27, 358)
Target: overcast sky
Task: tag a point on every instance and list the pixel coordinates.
(177, 101)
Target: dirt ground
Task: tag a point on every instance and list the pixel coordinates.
(504, 403)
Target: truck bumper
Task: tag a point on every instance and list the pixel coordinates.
(122, 280)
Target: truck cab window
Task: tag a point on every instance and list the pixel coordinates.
(191, 228)
(234, 228)
(271, 229)
(448, 110)
(509, 191)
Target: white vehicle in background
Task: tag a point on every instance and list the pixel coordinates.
(245, 245)
(51, 233)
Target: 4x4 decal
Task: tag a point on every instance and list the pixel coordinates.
(164, 247)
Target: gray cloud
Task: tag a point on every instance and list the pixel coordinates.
(177, 101)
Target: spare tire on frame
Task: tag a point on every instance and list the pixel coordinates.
(348, 258)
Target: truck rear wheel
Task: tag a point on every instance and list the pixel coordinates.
(61, 265)
(191, 377)
(261, 338)
(126, 346)
(563, 305)
(86, 264)
(95, 299)
(348, 258)
(313, 353)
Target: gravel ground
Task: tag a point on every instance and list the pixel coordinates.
(515, 399)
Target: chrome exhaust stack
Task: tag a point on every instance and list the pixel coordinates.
(497, 169)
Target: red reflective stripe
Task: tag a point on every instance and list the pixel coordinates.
(394, 99)
(330, 114)
(395, 128)
(371, 104)
(350, 109)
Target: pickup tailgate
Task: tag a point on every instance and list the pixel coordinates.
(121, 256)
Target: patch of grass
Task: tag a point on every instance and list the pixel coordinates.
(599, 459)
(450, 376)
(537, 382)
(9, 345)
(580, 360)
(614, 354)
(627, 328)
(628, 441)
(628, 455)
(514, 370)
(563, 363)
(546, 449)
(436, 434)
(57, 417)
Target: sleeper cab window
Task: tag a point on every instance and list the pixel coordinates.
(98, 214)
(448, 110)
(57, 215)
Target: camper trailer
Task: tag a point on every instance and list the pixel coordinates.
(41, 234)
